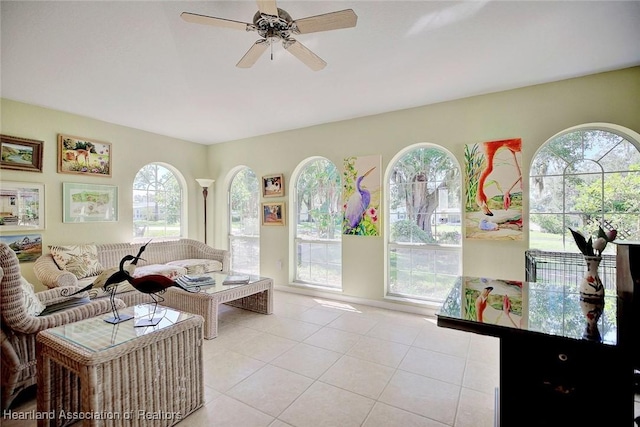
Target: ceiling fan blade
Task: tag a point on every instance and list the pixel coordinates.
(268, 7)
(216, 22)
(253, 54)
(301, 52)
(329, 21)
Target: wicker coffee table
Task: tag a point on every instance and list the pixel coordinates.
(256, 296)
(121, 375)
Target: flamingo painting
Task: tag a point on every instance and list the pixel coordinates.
(494, 190)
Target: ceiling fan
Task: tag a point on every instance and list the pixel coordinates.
(274, 24)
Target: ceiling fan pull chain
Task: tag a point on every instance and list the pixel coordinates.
(271, 51)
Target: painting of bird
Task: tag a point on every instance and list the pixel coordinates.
(357, 204)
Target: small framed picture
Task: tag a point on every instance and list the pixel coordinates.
(89, 202)
(21, 206)
(28, 247)
(21, 154)
(83, 156)
(273, 213)
(273, 186)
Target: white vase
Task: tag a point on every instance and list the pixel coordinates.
(592, 311)
(591, 286)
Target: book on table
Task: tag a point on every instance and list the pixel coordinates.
(191, 280)
(236, 279)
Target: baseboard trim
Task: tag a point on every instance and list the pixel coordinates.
(397, 304)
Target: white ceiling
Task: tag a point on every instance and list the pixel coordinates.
(138, 64)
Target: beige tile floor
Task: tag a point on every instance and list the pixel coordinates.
(317, 362)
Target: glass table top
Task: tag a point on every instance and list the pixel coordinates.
(97, 335)
(537, 307)
(219, 278)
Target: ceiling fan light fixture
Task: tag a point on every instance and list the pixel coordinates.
(275, 24)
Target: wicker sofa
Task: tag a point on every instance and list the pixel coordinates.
(171, 258)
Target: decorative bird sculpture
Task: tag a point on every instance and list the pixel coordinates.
(357, 203)
(152, 284)
(111, 285)
(112, 275)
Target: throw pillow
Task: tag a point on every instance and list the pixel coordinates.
(31, 300)
(81, 260)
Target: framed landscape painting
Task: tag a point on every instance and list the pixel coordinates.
(21, 206)
(28, 247)
(21, 154)
(89, 202)
(83, 156)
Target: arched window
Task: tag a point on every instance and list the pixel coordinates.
(424, 227)
(244, 222)
(157, 202)
(318, 222)
(584, 178)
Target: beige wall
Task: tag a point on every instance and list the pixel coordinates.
(131, 149)
(534, 114)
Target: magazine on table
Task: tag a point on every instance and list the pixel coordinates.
(236, 279)
(192, 280)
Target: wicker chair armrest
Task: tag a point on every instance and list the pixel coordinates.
(47, 271)
(35, 324)
(56, 295)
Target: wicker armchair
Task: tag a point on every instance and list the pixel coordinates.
(19, 328)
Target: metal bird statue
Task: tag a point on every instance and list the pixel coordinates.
(111, 285)
(107, 276)
(357, 203)
(152, 284)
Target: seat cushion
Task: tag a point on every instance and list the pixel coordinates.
(170, 271)
(198, 265)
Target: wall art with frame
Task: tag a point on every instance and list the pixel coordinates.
(21, 153)
(21, 206)
(273, 185)
(28, 247)
(273, 213)
(89, 202)
(82, 156)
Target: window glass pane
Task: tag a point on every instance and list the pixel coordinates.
(424, 212)
(318, 214)
(244, 217)
(157, 203)
(598, 187)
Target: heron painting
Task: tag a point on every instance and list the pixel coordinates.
(361, 196)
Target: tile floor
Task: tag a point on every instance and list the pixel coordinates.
(317, 362)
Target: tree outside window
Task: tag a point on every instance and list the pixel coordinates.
(584, 179)
(424, 224)
(157, 203)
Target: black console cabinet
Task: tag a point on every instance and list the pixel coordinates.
(549, 374)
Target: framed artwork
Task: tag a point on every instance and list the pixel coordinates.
(493, 181)
(273, 186)
(273, 213)
(21, 206)
(83, 156)
(361, 186)
(28, 247)
(21, 154)
(89, 202)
